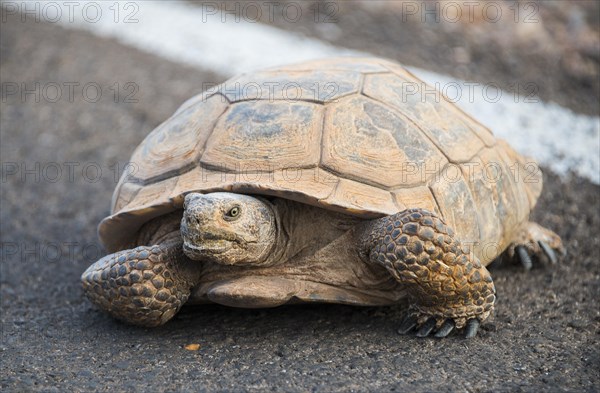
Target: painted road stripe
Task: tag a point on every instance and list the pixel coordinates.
(557, 137)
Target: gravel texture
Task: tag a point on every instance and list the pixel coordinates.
(543, 336)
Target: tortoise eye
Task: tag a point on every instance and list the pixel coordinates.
(234, 212)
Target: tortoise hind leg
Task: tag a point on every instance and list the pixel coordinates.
(449, 286)
(143, 286)
(534, 240)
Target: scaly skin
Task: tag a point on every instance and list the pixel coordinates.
(421, 252)
(143, 286)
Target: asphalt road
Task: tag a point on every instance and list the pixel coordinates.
(58, 166)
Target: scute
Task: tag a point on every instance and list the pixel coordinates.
(451, 191)
(413, 197)
(366, 148)
(366, 141)
(440, 121)
(492, 186)
(175, 145)
(359, 198)
(266, 136)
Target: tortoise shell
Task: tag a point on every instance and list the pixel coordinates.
(358, 135)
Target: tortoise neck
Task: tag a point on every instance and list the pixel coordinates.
(163, 229)
(274, 254)
(303, 229)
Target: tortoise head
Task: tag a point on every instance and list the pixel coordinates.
(227, 228)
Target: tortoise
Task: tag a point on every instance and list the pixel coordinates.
(342, 180)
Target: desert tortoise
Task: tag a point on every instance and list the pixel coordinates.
(342, 180)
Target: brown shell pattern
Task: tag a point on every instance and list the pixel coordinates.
(357, 135)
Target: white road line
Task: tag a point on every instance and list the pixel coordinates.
(557, 137)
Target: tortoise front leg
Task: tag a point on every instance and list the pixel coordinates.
(143, 286)
(449, 286)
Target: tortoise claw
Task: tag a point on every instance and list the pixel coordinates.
(472, 328)
(548, 251)
(446, 328)
(535, 241)
(408, 324)
(524, 257)
(426, 328)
